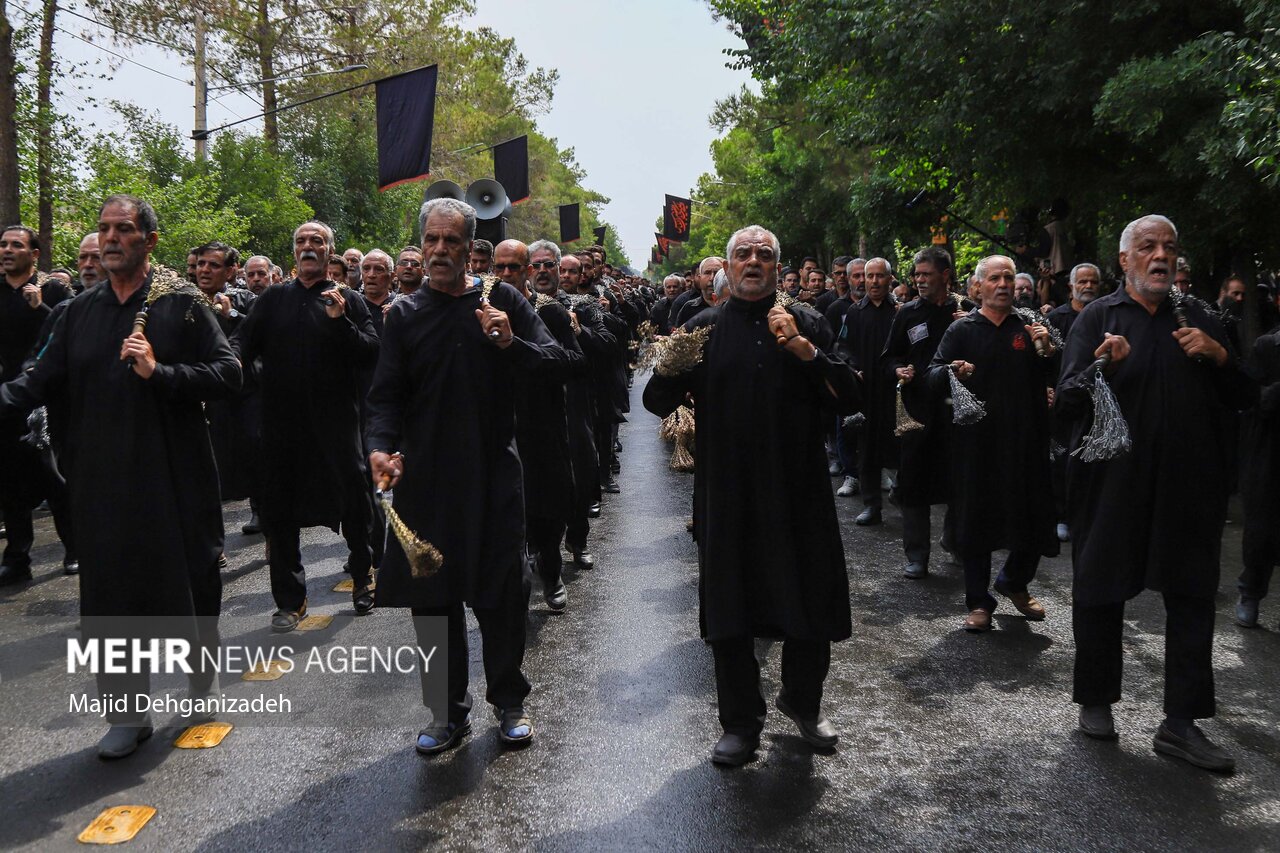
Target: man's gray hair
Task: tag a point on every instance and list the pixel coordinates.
(262, 258)
(453, 206)
(372, 252)
(1025, 275)
(888, 267)
(848, 268)
(678, 278)
(705, 260)
(324, 229)
(1126, 236)
(544, 246)
(1075, 271)
(720, 283)
(276, 270)
(980, 271)
(753, 229)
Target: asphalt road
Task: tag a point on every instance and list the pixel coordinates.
(948, 740)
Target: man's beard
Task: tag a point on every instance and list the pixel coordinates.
(1153, 292)
(1026, 300)
(1085, 298)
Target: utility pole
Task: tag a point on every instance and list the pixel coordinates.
(44, 129)
(202, 91)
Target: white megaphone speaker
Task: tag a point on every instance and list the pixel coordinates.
(444, 189)
(488, 198)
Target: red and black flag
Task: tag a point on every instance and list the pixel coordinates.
(406, 107)
(675, 218)
(570, 226)
(511, 168)
(600, 232)
(664, 245)
(654, 258)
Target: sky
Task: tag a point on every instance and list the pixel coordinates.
(631, 73)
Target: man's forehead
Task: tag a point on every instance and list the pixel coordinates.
(257, 264)
(89, 242)
(445, 219)
(1154, 229)
(117, 211)
(311, 231)
(14, 236)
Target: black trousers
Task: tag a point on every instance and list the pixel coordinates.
(502, 638)
(742, 708)
(604, 433)
(869, 473)
(917, 532)
(576, 531)
(1018, 571)
(1261, 552)
(543, 537)
(288, 578)
(1188, 655)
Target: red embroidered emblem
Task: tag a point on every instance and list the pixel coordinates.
(1020, 342)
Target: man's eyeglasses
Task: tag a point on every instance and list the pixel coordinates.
(508, 267)
(544, 265)
(406, 263)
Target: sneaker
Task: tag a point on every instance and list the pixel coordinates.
(849, 488)
(886, 482)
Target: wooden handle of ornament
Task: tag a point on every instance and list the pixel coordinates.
(139, 325)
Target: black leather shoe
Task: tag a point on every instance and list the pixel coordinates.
(439, 738)
(120, 741)
(869, 516)
(593, 511)
(284, 621)
(1096, 722)
(916, 571)
(71, 567)
(11, 574)
(514, 726)
(253, 526)
(1195, 749)
(558, 598)
(362, 599)
(611, 487)
(584, 559)
(818, 731)
(1247, 612)
(734, 750)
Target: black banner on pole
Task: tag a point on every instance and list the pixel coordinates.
(675, 218)
(570, 226)
(600, 232)
(511, 168)
(406, 106)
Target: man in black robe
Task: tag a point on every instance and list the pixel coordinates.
(1260, 482)
(1129, 525)
(409, 270)
(136, 428)
(1084, 281)
(23, 311)
(660, 315)
(442, 427)
(314, 338)
(1000, 493)
(924, 464)
(596, 342)
(89, 264)
(706, 291)
(771, 562)
(375, 272)
(866, 329)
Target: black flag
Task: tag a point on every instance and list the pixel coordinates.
(511, 168)
(406, 105)
(570, 226)
(654, 258)
(675, 218)
(664, 245)
(600, 232)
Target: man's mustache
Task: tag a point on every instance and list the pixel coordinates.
(308, 255)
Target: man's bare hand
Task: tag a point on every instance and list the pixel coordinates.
(139, 348)
(1116, 345)
(386, 469)
(1197, 343)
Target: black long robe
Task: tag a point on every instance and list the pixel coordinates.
(542, 422)
(580, 407)
(866, 329)
(20, 473)
(313, 459)
(444, 396)
(772, 561)
(1000, 489)
(1130, 523)
(140, 468)
(1260, 453)
(924, 470)
(232, 440)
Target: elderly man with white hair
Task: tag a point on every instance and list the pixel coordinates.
(1175, 377)
(771, 560)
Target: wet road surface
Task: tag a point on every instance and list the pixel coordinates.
(948, 740)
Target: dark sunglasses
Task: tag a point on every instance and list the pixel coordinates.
(544, 265)
(508, 267)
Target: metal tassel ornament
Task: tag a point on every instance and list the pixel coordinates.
(906, 423)
(424, 558)
(966, 409)
(1108, 436)
(1032, 317)
(678, 354)
(682, 433)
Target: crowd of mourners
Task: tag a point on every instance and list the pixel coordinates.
(462, 399)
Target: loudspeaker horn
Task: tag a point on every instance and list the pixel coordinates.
(488, 198)
(444, 189)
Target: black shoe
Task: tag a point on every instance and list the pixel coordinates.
(71, 567)
(362, 598)
(120, 741)
(439, 738)
(514, 726)
(868, 517)
(593, 511)
(284, 621)
(734, 750)
(584, 559)
(1195, 749)
(611, 487)
(11, 574)
(1096, 722)
(818, 731)
(916, 571)
(558, 598)
(615, 466)
(253, 526)
(1247, 612)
